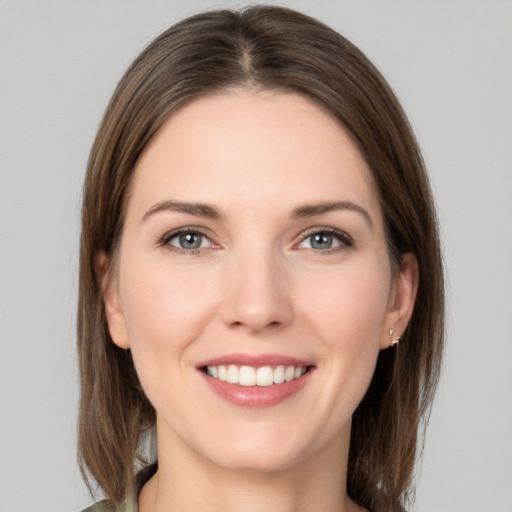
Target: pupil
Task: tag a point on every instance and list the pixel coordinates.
(321, 241)
(190, 241)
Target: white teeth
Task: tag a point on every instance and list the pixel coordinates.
(279, 375)
(289, 373)
(247, 376)
(233, 372)
(250, 376)
(265, 376)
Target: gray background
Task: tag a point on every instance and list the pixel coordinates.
(450, 64)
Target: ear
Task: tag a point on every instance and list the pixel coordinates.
(112, 303)
(401, 299)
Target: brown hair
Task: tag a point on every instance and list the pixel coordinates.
(263, 48)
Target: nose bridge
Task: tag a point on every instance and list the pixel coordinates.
(258, 295)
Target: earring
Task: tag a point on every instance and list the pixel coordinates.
(395, 341)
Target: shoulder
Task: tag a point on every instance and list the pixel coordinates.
(129, 504)
(101, 506)
(109, 506)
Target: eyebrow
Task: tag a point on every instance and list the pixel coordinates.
(197, 209)
(212, 212)
(319, 208)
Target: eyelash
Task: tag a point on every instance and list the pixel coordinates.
(344, 239)
(166, 239)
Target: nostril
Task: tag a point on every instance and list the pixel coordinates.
(256, 326)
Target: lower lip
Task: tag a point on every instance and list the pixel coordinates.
(257, 396)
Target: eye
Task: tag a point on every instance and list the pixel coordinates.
(325, 240)
(187, 240)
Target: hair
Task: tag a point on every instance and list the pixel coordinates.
(262, 48)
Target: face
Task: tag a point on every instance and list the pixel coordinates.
(253, 284)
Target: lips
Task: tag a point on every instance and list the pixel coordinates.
(256, 381)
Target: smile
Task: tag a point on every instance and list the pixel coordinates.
(255, 376)
(256, 381)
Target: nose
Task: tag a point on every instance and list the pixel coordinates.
(257, 294)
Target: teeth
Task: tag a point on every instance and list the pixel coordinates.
(279, 375)
(250, 376)
(232, 376)
(264, 376)
(289, 373)
(247, 376)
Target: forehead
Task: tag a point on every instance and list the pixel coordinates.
(257, 145)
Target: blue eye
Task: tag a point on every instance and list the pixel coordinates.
(188, 240)
(326, 240)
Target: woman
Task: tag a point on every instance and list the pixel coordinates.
(260, 276)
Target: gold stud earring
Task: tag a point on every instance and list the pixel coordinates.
(394, 341)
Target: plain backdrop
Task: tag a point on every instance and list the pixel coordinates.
(450, 62)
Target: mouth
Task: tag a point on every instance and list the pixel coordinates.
(260, 376)
(256, 381)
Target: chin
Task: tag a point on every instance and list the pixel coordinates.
(262, 452)
(250, 462)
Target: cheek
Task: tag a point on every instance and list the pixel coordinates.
(166, 308)
(165, 311)
(348, 306)
(348, 316)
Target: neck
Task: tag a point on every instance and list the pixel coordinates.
(186, 482)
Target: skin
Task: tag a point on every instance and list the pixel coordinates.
(257, 285)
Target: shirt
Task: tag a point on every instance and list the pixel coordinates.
(129, 504)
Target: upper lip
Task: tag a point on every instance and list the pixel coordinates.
(255, 360)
